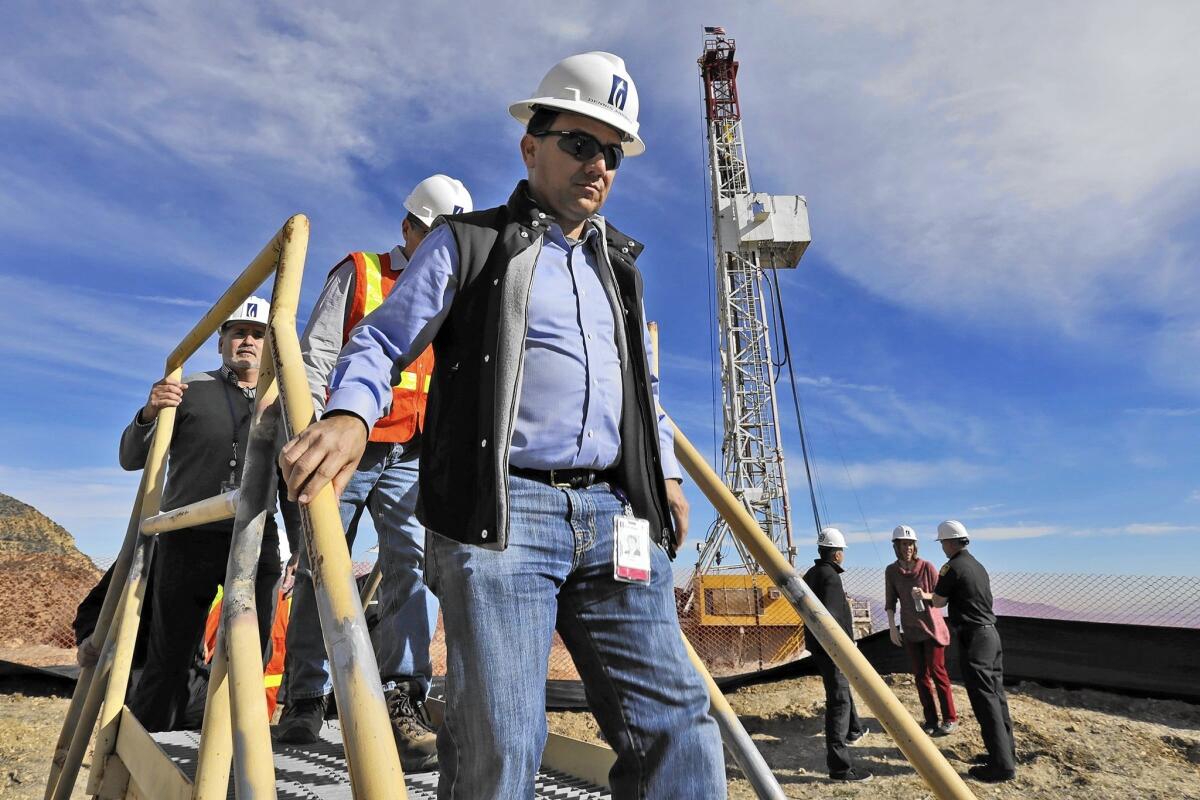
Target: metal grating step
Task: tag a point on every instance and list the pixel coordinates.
(318, 771)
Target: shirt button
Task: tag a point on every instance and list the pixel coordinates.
(486, 358)
(524, 234)
(541, 215)
(624, 249)
(535, 223)
(589, 337)
(483, 443)
(495, 282)
(483, 534)
(589, 434)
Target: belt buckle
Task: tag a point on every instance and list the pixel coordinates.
(557, 484)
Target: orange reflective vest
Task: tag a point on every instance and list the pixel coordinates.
(373, 280)
(273, 671)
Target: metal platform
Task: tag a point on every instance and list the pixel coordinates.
(318, 771)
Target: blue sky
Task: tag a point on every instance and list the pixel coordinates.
(998, 319)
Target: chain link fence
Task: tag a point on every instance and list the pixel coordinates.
(737, 623)
(1161, 601)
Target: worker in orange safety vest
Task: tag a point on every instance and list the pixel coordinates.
(385, 484)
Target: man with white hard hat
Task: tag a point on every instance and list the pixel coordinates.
(385, 484)
(842, 725)
(964, 585)
(548, 486)
(208, 449)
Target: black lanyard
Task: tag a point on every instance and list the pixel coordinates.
(237, 424)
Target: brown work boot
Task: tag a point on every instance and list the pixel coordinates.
(416, 741)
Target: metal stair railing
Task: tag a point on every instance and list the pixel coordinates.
(236, 729)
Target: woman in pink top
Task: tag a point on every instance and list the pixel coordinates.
(925, 633)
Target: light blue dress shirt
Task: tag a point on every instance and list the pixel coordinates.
(569, 411)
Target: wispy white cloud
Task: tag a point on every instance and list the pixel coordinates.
(950, 176)
(1158, 529)
(185, 302)
(1002, 533)
(94, 333)
(1164, 412)
(902, 474)
(961, 181)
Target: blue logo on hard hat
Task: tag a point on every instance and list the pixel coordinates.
(458, 209)
(252, 310)
(619, 92)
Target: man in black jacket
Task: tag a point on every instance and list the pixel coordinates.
(965, 586)
(842, 725)
(208, 449)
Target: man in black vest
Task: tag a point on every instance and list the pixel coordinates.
(965, 586)
(842, 725)
(548, 488)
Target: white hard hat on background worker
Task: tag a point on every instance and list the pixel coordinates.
(595, 85)
(952, 529)
(254, 309)
(831, 537)
(903, 533)
(436, 196)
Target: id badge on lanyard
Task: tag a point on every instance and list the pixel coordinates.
(232, 482)
(631, 548)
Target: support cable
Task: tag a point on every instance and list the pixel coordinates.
(787, 354)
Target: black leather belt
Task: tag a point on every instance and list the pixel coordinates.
(563, 478)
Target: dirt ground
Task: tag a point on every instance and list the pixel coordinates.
(1071, 744)
(31, 714)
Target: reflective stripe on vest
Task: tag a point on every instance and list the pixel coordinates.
(373, 299)
(373, 289)
(374, 279)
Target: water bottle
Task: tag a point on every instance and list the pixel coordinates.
(919, 604)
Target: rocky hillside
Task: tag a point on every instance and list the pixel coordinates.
(24, 529)
(44, 577)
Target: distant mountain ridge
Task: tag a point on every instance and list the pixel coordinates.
(24, 529)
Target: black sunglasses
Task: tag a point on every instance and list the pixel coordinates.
(584, 147)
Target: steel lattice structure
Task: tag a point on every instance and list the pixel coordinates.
(752, 232)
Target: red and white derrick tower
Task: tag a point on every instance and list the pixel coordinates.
(752, 232)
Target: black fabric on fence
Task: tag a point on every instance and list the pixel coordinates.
(1094, 655)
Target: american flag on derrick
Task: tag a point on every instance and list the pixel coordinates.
(715, 29)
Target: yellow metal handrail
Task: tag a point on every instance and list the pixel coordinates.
(235, 727)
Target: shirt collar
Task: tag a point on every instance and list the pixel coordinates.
(232, 379)
(399, 260)
(838, 567)
(556, 234)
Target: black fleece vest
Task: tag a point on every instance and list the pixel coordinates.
(479, 353)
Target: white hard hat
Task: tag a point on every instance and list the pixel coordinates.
(255, 309)
(831, 537)
(952, 529)
(903, 533)
(594, 85)
(436, 196)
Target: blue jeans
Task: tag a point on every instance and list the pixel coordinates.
(386, 485)
(500, 609)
